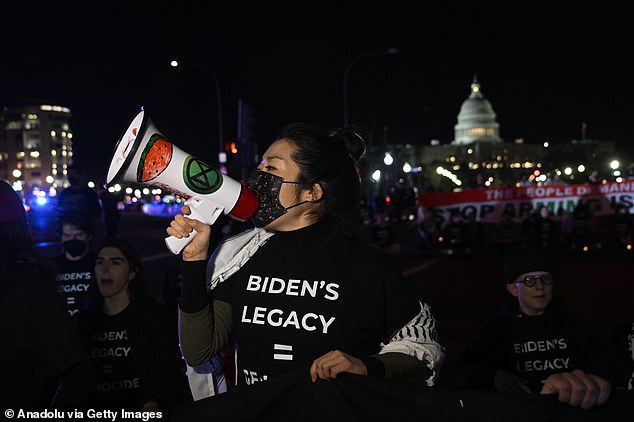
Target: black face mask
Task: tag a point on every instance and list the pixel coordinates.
(75, 247)
(267, 187)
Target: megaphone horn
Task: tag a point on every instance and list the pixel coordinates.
(143, 155)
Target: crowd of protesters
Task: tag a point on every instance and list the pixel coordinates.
(567, 233)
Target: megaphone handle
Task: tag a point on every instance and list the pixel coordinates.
(176, 245)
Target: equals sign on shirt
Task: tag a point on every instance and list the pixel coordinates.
(283, 352)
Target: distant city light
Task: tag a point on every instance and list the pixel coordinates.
(388, 159)
(581, 168)
(614, 164)
(567, 171)
(376, 175)
(449, 175)
(407, 168)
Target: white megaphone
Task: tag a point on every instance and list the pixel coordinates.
(143, 155)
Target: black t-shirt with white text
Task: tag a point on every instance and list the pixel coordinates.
(117, 377)
(74, 280)
(310, 291)
(535, 347)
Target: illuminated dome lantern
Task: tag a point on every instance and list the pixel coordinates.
(476, 120)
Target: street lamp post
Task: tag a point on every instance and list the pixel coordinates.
(347, 74)
(175, 63)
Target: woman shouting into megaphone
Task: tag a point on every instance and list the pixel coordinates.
(300, 289)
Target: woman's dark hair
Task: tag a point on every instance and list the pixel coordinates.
(330, 159)
(17, 248)
(137, 286)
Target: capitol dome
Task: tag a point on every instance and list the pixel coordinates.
(476, 120)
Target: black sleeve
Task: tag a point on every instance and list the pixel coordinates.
(57, 340)
(599, 355)
(476, 366)
(193, 291)
(401, 366)
(74, 386)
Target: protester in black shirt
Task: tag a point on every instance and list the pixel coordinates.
(132, 341)
(111, 212)
(507, 233)
(39, 343)
(79, 199)
(383, 234)
(74, 267)
(536, 345)
(301, 291)
(624, 340)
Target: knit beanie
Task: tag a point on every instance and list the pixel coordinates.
(524, 259)
(11, 208)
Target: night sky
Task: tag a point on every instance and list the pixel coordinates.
(546, 70)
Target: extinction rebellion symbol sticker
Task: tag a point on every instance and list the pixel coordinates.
(199, 177)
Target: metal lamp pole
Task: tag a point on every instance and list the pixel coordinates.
(347, 74)
(175, 63)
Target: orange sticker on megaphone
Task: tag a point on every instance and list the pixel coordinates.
(155, 158)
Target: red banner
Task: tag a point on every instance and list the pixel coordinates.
(490, 203)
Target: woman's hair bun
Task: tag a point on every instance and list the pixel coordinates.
(354, 142)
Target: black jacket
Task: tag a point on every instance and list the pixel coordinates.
(534, 347)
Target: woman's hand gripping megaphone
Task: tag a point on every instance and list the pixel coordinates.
(190, 232)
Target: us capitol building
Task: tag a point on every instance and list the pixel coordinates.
(479, 157)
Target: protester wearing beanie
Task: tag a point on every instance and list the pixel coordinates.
(535, 344)
(524, 259)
